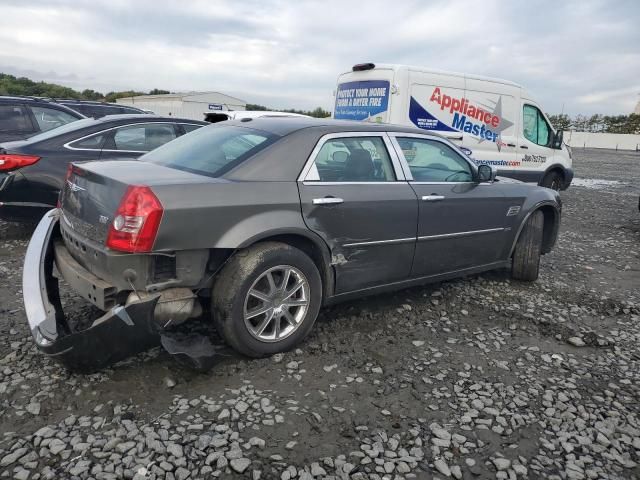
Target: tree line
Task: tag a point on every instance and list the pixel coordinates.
(11, 85)
(597, 123)
(318, 112)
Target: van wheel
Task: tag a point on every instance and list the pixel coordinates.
(552, 180)
(266, 299)
(526, 256)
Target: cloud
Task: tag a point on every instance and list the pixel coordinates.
(289, 54)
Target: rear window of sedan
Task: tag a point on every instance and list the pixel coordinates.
(211, 151)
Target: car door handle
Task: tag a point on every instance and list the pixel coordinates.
(523, 146)
(432, 198)
(511, 144)
(327, 201)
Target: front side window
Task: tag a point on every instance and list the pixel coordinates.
(143, 137)
(14, 118)
(434, 161)
(354, 159)
(535, 126)
(49, 118)
(211, 151)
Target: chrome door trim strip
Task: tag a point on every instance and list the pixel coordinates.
(314, 183)
(460, 234)
(393, 241)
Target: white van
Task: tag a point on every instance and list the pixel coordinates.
(494, 121)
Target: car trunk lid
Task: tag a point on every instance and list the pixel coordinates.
(93, 192)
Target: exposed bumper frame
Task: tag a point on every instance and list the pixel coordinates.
(119, 333)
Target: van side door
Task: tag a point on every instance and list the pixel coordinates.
(491, 122)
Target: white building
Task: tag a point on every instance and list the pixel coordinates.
(192, 105)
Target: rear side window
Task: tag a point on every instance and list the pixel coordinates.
(211, 151)
(15, 118)
(353, 159)
(535, 127)
(190, 127)
(48, 118)
(144, 137)
(94, 142)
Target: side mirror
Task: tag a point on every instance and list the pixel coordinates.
(557, 140)
(487, 173)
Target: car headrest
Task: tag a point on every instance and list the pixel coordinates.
(359, 166)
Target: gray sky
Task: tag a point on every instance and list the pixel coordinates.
(583, 54)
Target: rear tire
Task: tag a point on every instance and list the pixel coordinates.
(526, 256)
(553, 180)
(266, 299)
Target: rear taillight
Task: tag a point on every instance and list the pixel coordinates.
(136, 221)
(13, 161)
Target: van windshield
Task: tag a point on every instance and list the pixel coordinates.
(366, 100)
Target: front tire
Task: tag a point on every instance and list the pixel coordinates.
(553, 180)
(266, 299)
(526, 256)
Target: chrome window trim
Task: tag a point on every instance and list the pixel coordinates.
(318, 183)
(392, 241)
(309, 174)
(408, 175)
(460, 234)
(100, 132)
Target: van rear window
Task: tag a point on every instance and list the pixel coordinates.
(363, 100)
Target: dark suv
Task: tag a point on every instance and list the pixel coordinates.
(23, 117)
(98, 109)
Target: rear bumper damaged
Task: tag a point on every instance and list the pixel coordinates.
(119, 333)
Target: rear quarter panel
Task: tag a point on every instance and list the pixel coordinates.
(227, 214)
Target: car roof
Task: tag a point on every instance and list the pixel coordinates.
(282, 126)
(38, 101)
(146, 117)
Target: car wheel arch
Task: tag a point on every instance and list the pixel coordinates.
(551, 224)
(309, 243)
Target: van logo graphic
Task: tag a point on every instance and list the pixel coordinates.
(485, 122)
(73, 187)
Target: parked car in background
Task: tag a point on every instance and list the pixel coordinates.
(221, 116)
(32, 171)
(99, 109)
(265, 221)
(23, 117)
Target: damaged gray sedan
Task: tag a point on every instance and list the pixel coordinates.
(254, 225)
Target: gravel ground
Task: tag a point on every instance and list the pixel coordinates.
(474, 378)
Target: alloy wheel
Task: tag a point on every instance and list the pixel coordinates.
(276, 304)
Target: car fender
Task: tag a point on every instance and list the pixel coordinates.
(529, 211)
